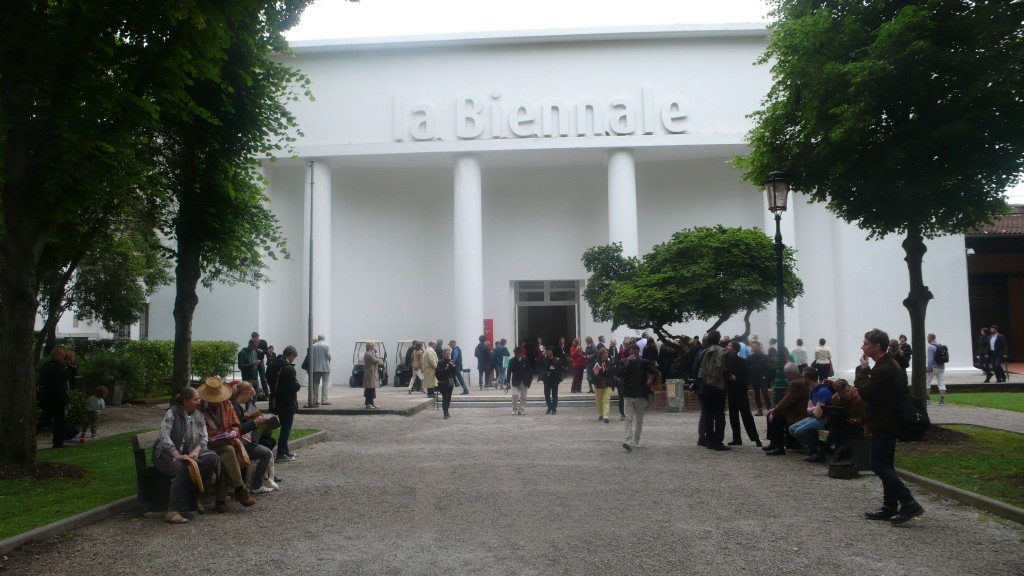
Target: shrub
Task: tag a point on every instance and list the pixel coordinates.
(213, 358)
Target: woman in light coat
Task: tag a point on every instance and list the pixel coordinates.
(371, 381)
(429, 365)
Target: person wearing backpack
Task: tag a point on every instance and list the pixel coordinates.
(882, 387)
(938, 355)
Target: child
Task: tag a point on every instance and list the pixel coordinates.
(93, 406)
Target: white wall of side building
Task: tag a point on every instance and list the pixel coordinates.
(392, 156)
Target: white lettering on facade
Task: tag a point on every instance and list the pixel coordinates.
(477, 116)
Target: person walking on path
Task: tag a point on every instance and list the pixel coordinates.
(320, 373)
(520, 374)
(603, 377)
(823, 360)
(579, 363)
(881, 387)
(482, 353)
(936, 368)
(457, 359)
(500, 359)
(371, 378)
(997, 353)
(430, 361)
(635, 374)
(416, 365)
(445, 373)
(551, 374)
(284, 394)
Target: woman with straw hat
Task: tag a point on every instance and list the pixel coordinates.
(224, 432)
(180, 451)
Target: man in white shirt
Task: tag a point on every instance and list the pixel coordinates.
(936, 370)
(320, 372)
(800, 355)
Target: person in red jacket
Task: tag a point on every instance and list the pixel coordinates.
(579, 364)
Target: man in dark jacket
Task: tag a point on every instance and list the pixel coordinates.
(634, 375)
(881, 387)
(520, 375)
(791, 408)
(551, 375)
(53, 382)
(284, 389)
(261, 365)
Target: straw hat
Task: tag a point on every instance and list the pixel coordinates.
(214, 390)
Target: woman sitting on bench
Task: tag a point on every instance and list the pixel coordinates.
(240, 397)
(182, 439)
(225, 439)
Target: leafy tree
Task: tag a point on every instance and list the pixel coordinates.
(698, 274)
(902, 116)
(79, 82)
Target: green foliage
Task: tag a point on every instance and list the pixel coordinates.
(698, 274)
(76, 413)
(900, 115)
(144, 367)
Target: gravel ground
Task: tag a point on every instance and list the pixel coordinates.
(490, 493)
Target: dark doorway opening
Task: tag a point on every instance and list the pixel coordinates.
(548, 322)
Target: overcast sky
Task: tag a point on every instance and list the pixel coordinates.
(367, 18)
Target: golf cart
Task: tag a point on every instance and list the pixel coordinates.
(356, 380)
(403, 371)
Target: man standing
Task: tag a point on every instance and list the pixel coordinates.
(551, 375)
(457, 360)
(261, 363)
(520, 376)
(247, 363)
(997, 353)
(936, 369)
(320, 373)
(371, 378)
(53, 380)
(634, 388)
(285, 388)
(711, 389)
(881, 387)
(800, 355)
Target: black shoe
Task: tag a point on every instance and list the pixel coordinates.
(736, 443)
(627, 446)
(817, 457)
(907, 512)
(446, 416)
(721, 448)
(702, 442)
(776, 452)
(548, 412)
(769, 447)
(988, 379)
(553, 412)
(883, 513)
(757, 442)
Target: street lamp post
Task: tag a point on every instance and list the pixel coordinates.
(777, 188)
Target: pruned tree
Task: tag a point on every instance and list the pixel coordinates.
(902, 116)
(704, 273)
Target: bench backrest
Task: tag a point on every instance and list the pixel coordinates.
(144, 441)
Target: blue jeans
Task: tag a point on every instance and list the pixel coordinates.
(287, 419)
(462, 382)
(883, 464)
(806, 431)
(501, 375)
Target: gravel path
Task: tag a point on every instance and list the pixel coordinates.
(490, 493)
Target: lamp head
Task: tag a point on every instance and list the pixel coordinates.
(777, 188)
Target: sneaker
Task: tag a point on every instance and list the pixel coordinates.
(907, 513)
(285, 458)
(522, 412)
(464, 392)
(605, 420)
(446, 416)
(941, 402)
(261, 490)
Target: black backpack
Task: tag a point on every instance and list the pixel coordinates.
(941, 353)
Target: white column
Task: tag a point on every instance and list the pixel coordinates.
(468, 283)
(321, 240)
(622, 224)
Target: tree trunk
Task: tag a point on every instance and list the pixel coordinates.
(186, 299)
(917, 305)
(17, 378)
(746, 325)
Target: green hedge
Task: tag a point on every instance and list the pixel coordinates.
(145, 366)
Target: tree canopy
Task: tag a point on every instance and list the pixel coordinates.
(902, 116)
(704, 273)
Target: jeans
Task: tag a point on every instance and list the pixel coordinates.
(461, 381)
(883, 464)
(806, 431)
(501, 375)
(287, 419)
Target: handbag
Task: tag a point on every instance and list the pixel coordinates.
(913, 417)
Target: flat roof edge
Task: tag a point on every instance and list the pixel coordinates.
(672, 31)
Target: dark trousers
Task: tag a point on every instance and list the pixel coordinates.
(287, 419)
(262, 370)
(182, 488)
(61, 430)
(777, 430)
(713, 414)
(702, 422)
(761, 390)
(739, 406)
(446, 390)
(577, 379)
(262, 457)
(839, 430)
(883, 464)
(551, 395)
(996, 362)
(369, 395)
(622, 406)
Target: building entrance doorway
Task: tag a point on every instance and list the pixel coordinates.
(548, 309)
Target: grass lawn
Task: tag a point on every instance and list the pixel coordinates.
(109, 464)
(1002, 400)
(980, 460)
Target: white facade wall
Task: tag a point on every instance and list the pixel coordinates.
(407, 261)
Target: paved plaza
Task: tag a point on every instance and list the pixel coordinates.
(491, 493)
